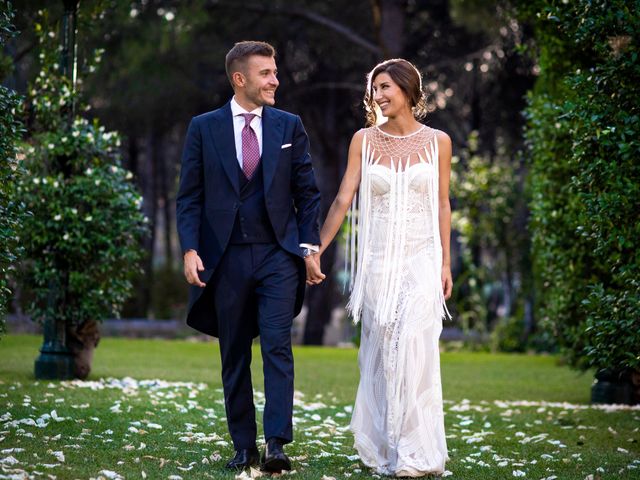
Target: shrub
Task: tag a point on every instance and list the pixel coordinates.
(490, 209)
(82, 241)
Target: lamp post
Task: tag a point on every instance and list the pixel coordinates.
(55, 360)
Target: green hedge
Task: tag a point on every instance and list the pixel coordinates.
(11, 210)
(583, 135)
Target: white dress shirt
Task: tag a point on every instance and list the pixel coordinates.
(238, 125)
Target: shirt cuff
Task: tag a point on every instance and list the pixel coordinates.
(313, 248)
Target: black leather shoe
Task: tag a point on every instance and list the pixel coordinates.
(245, 457)
(274, 460)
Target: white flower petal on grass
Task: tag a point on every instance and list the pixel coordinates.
(10, 460)
(59, 455)
(190, 467)
(7, 451)
(254, 473)
(557, 443)
(518, 473)
(622, 450)
(111, 475)
(155, 426)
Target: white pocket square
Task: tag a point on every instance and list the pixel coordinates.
(286, 145)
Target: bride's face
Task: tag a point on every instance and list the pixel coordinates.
(389, 96)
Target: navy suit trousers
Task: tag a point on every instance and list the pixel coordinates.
(256, 283)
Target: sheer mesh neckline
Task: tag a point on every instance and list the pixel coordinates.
(422, 127)
(400, 152)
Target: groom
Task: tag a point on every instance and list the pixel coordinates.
(247, 214)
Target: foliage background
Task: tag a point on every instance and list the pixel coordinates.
(11, 211)
(583, 134)
(82, 241)
(163, 62)
(545, 241)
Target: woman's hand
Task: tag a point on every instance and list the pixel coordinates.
(447, 281)
(314, 273)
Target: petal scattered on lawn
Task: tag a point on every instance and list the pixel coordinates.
(111, 475)
(59, 456)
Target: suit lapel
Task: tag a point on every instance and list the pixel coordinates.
(272, 131)
(224, 141)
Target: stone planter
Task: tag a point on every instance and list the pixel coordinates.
(622, 387)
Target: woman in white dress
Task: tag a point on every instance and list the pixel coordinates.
(397, 185)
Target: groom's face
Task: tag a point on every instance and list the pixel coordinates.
(260, 80)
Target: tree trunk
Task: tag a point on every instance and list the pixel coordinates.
(388, 17)
(149, 185)
(160, 161)
(322, 299)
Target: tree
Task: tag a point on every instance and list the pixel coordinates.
(82, 241)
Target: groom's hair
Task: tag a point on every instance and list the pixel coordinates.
(237, 57)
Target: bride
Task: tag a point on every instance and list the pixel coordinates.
(398, 173)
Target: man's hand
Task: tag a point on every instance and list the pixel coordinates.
(193, 265)
(314, 274)
(447, 282)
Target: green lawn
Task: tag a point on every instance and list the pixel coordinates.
(507, 416)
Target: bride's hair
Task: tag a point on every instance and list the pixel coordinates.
(407, 77)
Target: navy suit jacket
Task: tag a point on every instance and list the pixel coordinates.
(209, 195)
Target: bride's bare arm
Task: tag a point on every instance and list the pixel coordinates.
(444, 213)
(348, 188)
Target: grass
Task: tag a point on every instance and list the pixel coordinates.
(160, 430)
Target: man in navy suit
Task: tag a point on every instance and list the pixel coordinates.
(247, 214)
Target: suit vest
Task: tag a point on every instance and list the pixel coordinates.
(252, 224)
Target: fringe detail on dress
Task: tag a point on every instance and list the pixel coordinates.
(357, 248)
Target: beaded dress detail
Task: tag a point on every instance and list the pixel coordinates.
(396, 261)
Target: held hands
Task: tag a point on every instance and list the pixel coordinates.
(314, 274)
(447, 281)
(193, 265)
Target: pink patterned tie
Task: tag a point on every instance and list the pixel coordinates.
(250, 148)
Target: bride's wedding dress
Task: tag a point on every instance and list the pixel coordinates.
(396, 258)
